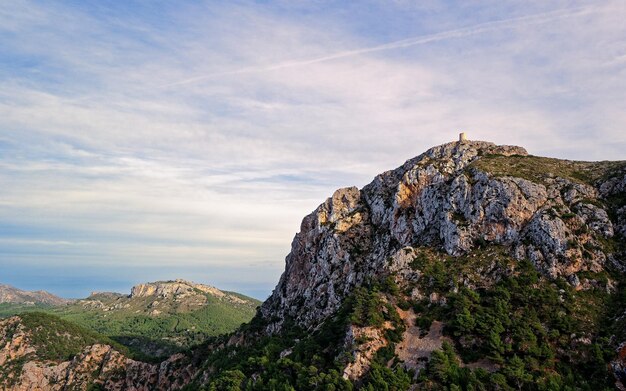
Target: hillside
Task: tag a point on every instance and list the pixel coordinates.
(157, 319)
(14, 301)
(10, 295)
(42, 352)
(470, 267)
(160, 318)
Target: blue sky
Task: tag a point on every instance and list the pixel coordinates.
(145, 140)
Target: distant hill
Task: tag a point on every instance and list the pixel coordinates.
(161, 317)
(12, 295)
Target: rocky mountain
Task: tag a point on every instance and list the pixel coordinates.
(471, 266)
(452, 198)
(11, 295)
(455, 231)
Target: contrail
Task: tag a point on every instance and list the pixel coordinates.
(419, 40)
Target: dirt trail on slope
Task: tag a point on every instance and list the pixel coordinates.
(416, 351)
(413, 350)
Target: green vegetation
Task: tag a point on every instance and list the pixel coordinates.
(518, 330)
(535, 333)
(10, 309)
(299, 360)
(538, 169)
(56, 339)
(312, 364)
(171, 328)
(367, 308)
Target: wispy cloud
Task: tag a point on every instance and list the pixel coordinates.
(523, 21)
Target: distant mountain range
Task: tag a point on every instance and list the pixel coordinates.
(12, 295)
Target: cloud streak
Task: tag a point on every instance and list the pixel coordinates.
(523, 21)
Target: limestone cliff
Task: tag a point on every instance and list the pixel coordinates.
(553, 212)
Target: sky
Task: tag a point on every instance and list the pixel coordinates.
(154, 140)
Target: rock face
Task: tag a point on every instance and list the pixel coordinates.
(616, 187)
(96, 364)
(9, 294)
(442, 198)
(180, 288)
(363, 352)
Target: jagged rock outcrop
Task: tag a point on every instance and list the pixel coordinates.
(444, 199)
(326, 258)
(615, 187)
(363, 343)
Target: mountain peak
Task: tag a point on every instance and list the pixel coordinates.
(457, 155)
(474, 147)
